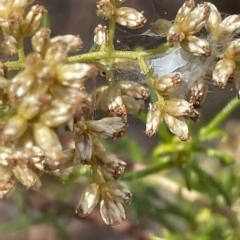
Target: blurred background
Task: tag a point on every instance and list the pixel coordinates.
(154, 211)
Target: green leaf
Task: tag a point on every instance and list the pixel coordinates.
(223, 157)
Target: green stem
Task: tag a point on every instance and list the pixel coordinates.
(20, 50)
(221, 116)
(163, 164)
(15, 65)
(93, 56)
(111, 34)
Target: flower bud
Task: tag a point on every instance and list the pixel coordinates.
(33, 104)
(167, 83)
(100, 36)
(58, 113)
(15, 128)
(108, 127)
(154, 119)
(110, 100)
(130, 17)
(11, 24)
(21, 85)
(214, 19)
(49, 143)
(229, 27)
(175, 35)
(133, 89)
(7, 44)
(233, 50)
(133, 105)
(56, 53)
(222, 71)
(197, 92)
(196, 46)
(41, 40)
(26, 176)
(88, 200)
(32, 20)
(177, 125)
(84, 147)
(178, 107)
(105, 9)
(184, 11)
(195, 20)
(74, 74)
(74, 43)
(109, 164)
(6, 181)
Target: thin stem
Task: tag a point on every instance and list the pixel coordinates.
(15, 65)
(221, 116)
(111, 34)
(163, 164)
(20, 50)
(94, 56)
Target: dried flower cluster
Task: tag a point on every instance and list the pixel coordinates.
(50, 92)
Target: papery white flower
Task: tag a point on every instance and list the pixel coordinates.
(112, 197)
